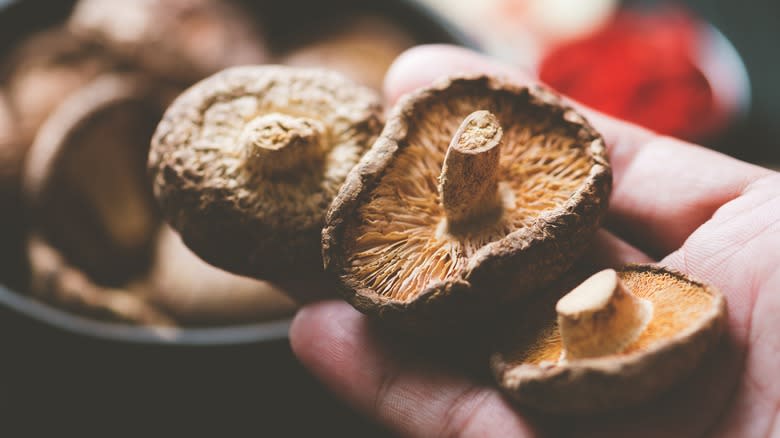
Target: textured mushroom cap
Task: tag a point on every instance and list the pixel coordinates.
(688, 319)
(361, 48)
(384, 234)
(247, 222)
(85, 181)
(43, 70)
(194, 292)
(184, 39)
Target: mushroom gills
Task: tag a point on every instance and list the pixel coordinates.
(459, 181)
(665, 296)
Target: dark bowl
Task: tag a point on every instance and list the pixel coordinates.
(283, 20)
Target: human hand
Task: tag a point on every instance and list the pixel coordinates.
(697, 211)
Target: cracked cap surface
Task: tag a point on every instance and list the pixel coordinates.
(246, 221)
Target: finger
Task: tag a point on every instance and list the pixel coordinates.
(336, 343)
(421, 65)
(663, 188)
(610, 251)
(409, 392)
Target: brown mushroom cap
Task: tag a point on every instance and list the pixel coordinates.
(43, 70)
(237, 201)
(687, 320)
(361, 47)
(194, 292)
(386, 232)
(85, 182)
(183, 39)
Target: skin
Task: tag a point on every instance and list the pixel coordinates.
(689, 208)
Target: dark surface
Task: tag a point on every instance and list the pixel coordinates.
(56, 384)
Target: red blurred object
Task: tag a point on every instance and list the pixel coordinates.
(640, 67)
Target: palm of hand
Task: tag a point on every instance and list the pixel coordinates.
(718, 220)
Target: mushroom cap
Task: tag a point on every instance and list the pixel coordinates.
(360, 47)
(43, 70)
(688, 319)
(383, 233)
(196, 293)
(246, 222)
(85, 183)
(179, 39)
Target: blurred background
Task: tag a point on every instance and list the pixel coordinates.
(108, 322)
(648, 61)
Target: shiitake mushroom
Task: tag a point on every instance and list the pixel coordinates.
(246, 162)
(618, 339)
(478, 192)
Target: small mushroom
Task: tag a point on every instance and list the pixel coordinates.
(55, 280)
(179, 39)
(45, 69)
(361, 47)
(621, 338)
(474, 185)
(196, 293)
(246, 162)
(85, 185)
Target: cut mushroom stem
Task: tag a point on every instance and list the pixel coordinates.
(600, 317)
(275, 143)
(468, 183)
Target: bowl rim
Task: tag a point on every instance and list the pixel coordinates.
(55, 317)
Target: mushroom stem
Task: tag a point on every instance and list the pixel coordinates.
(600, 317)
(468, 183)
(277, 143)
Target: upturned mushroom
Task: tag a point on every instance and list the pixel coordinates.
(246, 162)
(475, 185)
(620, 338)
(37, 75)
(85, 184)
(179, 39)
(55, 280)
(360, 47)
